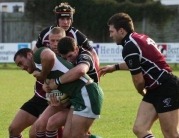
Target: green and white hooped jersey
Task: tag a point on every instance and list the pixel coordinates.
(60, 67)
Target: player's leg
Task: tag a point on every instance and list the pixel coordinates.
(87, 108)
(169, 123)
(67, 127)
(41, 123)
(21, 121)
(168, 107)
(32, 131)
(146, 116)
(56, 122)
(80, 126)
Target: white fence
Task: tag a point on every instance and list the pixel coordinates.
(107, 52)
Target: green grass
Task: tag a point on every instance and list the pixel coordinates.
(118, 113)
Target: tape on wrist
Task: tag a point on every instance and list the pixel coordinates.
(117, 66)
(57, 81)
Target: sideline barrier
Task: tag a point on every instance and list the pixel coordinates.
(7, 51)
(107, 52)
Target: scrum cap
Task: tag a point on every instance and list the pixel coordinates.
(64, 10)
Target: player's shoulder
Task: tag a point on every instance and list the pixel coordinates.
(42, 51)
(84, 51)
(47, 29)
(84, 55)
(39, 51)
(77, 31)
(139, 38)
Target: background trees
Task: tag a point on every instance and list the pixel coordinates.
(91, 16)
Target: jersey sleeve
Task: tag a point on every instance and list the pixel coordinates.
(131, 56)
(40, 38)
(85, 58)
(83, 41)
(37, 54)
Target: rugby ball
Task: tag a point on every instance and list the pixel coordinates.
(63, 97)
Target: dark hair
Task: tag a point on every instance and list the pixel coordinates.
(121, 20)
(22, 52)
(66, 44)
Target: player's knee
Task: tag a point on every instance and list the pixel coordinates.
(13, 130)
(137, 130)
(50, 124)
(40, 126)
(32, 133)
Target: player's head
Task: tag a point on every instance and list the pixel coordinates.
(120, 24)
(64, 15)
(55, 35)
(68, 49)
(24, 59)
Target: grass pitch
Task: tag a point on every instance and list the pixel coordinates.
(118, 113)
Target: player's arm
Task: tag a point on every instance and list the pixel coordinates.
(84, 43)
(131, 55)
(39, 39)
(74, 73)
(112, 68)
(47, 58)
(84, 64)
(139, 83)
(95, 56)
(71, 75)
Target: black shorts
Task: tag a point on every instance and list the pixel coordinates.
(35, 106)
(165, 97)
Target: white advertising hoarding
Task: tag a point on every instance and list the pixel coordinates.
(107, 52)
(8, 50)
(112, 53)
(170, 51)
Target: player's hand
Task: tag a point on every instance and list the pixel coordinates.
(106, 69)
(52, 85)
(144, 91)
(54, 100)
(46, 88)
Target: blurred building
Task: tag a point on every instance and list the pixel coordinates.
(12, 7)
(170, 2)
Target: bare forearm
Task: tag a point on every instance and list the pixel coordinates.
(74, 73)
(139, 82)
(140, 89)
(47, 60)
(120, 66)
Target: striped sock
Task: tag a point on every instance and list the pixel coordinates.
(40, 134)
(51, 134)
(149, 136)
(20, 136)
(94, 136)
